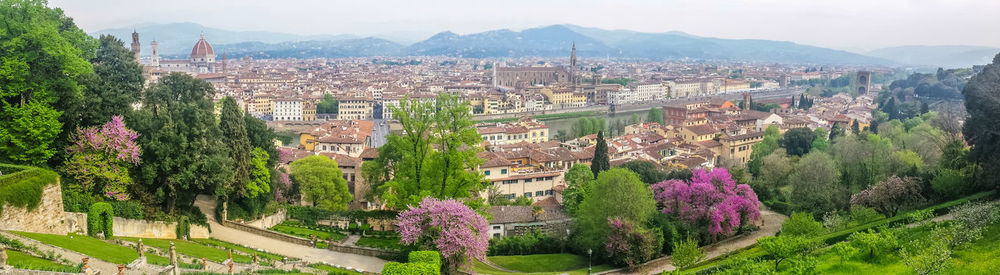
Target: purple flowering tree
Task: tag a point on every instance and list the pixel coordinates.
(100, 158)
(448, 226)
(629, 245)
(709, 199)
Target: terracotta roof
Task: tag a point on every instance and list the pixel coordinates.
(701, 130)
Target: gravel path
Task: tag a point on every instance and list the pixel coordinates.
(308, 254)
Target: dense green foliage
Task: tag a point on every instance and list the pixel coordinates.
(616, 193)
(535, 242)
(99, 220)
(234, 136)
(322, 183)
(328, 105)
(183, 151)
(982, 101)
(22, 186)
(421, 263)
(435, 156)
(44, 58)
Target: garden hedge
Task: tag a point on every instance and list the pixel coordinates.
(421, 263)
(100, 219)
(22, 186)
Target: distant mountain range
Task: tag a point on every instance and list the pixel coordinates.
(176, 39)
(938, 56)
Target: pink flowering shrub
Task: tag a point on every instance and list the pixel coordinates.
(100, 158)
(448, 226)
(629, 245)
(710, 198)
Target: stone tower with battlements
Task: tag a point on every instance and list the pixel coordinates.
(135, 45)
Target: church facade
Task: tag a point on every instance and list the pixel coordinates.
(201, 61)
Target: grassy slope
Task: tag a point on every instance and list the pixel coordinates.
(305, 232)
(541, 262)
(981, 257)
(25, 261)
(192, 249)
(247, 250)
(481, 268)
(90, 246)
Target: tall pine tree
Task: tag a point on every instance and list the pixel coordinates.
(601, 161)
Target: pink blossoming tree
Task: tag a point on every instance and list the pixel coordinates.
(448, 226)
(100, 158)
(709, 198)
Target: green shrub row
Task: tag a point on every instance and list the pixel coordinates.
(421, 263)
(24, 187)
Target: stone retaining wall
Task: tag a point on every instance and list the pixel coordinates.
(46, 218)
(362, 250)
(269, 221)
(77, 223)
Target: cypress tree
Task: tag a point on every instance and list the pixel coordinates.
(601, 161)
(234, 135)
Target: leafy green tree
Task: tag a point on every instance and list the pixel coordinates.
(434, 157)
(760, 150)
(798, 141)
(262, 137)
(328, 105)
(981, 96)
(115, 85)
(801, 224)
(821, 143)
(234, 136)
(855, 128)
(601, 160)
(578, 182)
(183, 151)
(774, 174)
(260, 174)
(927, 256)
(874, 242)
(655, 115)
(687, 253)
(815, 184)
(321, 182)
(844, 250)
(616, 193)
(783, 247)
(43, 56)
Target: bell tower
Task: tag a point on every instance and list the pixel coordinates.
(135, 44)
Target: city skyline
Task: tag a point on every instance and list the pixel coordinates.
(863, 27)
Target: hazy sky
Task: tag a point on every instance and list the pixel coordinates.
(844, 24)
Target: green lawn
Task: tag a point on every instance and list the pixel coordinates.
(481, 268)
(305, 232)
(540, 262)
(335, 270)
(192, 249)
(382, 243)
(84, 244)
(25, 261)
(981, 257)
(247, 250)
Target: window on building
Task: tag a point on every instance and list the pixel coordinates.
(496, 227)
(487, 172)
(527, 180)
(509, 181)
(503, 171)
(527, 194)
(539, 193)
(548, 192)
